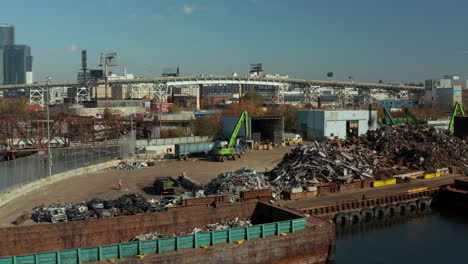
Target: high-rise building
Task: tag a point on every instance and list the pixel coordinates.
(7, 34)
(18, 64)
(7, 37)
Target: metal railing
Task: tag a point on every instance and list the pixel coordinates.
(35, 167)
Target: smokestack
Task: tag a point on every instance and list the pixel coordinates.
(125, 72)
(177, 71)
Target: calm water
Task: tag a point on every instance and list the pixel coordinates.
(435, 238)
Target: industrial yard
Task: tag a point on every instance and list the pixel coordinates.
(361, 175)
(103, 184)
(130, 145)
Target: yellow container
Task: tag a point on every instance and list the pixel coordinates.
(384, 182)
(417, 190)
(432, 175)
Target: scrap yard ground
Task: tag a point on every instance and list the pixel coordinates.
(103, 184)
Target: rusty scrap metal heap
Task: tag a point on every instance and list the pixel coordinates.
(128, 204)
(232, 183)
(220, 226)
(417, 148)
(326, 162)
(379, 154)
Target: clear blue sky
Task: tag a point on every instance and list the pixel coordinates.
(396, 41)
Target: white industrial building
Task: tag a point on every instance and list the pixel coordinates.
(322, 124)
(444, 93)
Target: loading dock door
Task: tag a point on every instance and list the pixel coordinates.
(352, 128)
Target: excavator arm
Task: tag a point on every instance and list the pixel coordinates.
(388, 115)
(408, 113)
(243, 118)
(458, 108)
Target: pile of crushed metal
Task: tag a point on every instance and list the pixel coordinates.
(232, 183)
(224, 225)
(129, 204)
(133, 165)
(416, 148)
(379, 154)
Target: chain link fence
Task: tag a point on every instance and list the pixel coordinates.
(35, 167)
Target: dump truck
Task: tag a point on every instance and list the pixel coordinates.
(184, 151)
(165, 186)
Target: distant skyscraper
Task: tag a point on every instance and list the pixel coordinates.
(7, 37)
(7, 34)
(18, 64)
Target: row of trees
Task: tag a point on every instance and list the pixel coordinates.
(14, 106)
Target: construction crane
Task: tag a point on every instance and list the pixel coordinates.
(458, 108)
(224, 150)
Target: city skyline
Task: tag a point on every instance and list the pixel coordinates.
(393, 42)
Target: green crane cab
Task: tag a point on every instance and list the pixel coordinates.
(224, 150)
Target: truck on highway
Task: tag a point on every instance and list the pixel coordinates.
(184, 151)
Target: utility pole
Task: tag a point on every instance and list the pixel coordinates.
(106, 69)
(49, 154)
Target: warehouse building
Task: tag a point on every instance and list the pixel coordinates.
(262, 128)
(322, 124)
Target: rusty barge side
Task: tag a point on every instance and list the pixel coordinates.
(274, 237)
(354, 205)
(315, 244)
(456, 196)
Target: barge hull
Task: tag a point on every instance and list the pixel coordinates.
(312, 245)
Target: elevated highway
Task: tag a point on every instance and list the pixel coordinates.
(162, 86)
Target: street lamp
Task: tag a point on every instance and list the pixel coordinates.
(49, 154)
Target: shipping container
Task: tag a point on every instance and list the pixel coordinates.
(183, 151)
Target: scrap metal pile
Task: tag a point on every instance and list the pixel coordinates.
(417, 148)
(223, 225)
(380, 154)
(129, 204)
(326, 162)
(232, 183)
(134, 165)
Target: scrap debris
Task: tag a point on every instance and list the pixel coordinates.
(223, 225)
(129, 204)
(417, 148)
(232, 183)
(133, 165)
(324, 163)
(233, 223)
(379, 154)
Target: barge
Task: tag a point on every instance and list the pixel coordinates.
(455, 196)
(278, 235)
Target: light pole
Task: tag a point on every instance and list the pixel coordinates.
(49, 154)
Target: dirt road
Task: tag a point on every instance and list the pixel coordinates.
(103, 184)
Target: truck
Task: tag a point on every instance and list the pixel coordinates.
(292, 138)
(232, 149)
(184, 151)
(165, 185)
